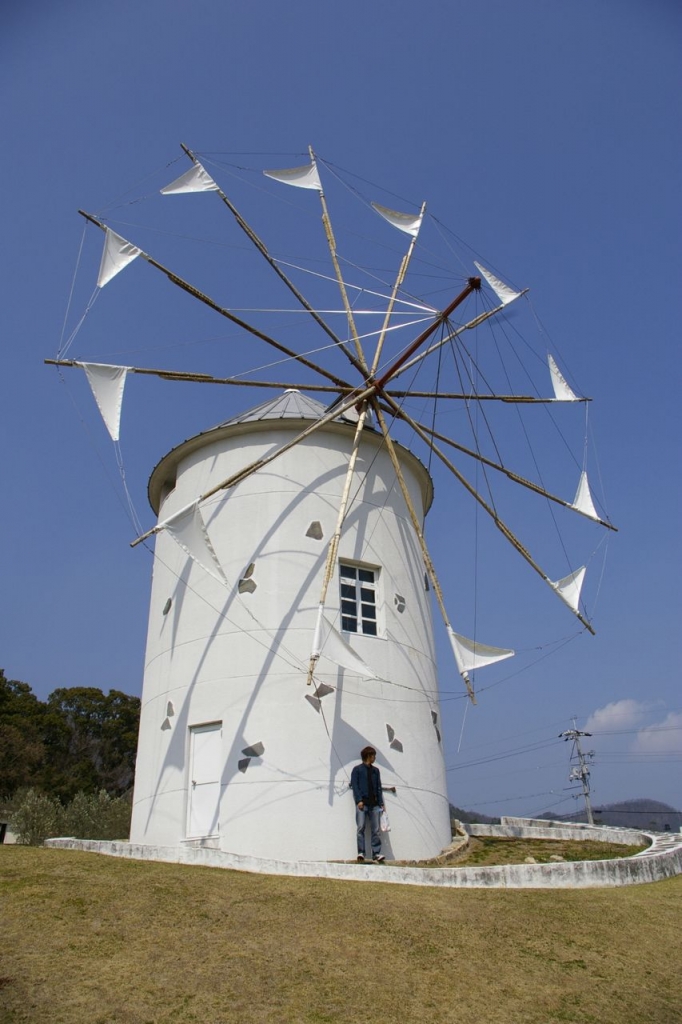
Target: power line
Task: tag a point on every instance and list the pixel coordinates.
(500, 757)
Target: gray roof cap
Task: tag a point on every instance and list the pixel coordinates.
(291, 404)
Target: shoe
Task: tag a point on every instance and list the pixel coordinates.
(361, 858)
(379, 859)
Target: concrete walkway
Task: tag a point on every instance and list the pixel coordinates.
(663, 859)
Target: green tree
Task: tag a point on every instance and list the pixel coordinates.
(79, 740)
(119, 742)
(90, 741)
(97, 816)
(21, 735)
(36, 817)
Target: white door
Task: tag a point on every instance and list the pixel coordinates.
(204, 780)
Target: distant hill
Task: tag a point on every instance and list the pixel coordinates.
(469, 817)
(649, 815)
(645, 814)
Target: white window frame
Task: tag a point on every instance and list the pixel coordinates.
(357, 607)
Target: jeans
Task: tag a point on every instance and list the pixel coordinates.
(361, 816)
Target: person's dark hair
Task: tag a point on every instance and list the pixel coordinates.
(367, 752)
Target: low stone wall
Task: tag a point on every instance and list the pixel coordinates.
(557, 830)
(544, 823)
(662, 859)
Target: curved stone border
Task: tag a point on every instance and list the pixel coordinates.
(529, 828)
(662, 859)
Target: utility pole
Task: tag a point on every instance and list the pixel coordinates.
(580, 772)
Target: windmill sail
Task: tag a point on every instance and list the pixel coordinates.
(504, 293)
(188, 530)
(470, 655)
(196, 179)
(302, 177)
(107, 384)
(406, 222)
(569, 588)
(116, 255)
(583, 498)
(329, 643)
(562, 391)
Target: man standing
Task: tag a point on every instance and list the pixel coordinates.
(365, 782)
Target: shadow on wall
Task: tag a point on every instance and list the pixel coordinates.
(345, 740)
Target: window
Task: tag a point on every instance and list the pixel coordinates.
(358, 599)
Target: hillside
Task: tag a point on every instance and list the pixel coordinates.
(468, 817)
(645, 814)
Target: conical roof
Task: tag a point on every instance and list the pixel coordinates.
(291, 404)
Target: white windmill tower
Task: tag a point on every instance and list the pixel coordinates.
(233, 745)
(290, 611)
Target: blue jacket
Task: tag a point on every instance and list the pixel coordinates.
(359, 783)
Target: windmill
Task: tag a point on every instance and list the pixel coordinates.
(290, 617)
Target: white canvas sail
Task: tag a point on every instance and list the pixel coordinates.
(470, 655)
(196, 179)
(504, 293)
(562, 390)
(302, 177)
(569, 588)
(328, 643)
(583, 498)
(406, 222)
(188, 530)
(107, 384)
(116, 255)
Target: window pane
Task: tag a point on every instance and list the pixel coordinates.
(358, 593)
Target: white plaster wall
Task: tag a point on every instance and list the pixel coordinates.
(242, 658)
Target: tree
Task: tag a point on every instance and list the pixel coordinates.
(21, 735)
(119, 742)
(90, 741)
(79, 740)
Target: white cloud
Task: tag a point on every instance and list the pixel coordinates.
(661, 737)
(617, 716)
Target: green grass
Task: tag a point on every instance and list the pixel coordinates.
(497, 850)
(96, 940)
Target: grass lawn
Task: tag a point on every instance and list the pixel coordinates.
(96, 940)
(498, 850)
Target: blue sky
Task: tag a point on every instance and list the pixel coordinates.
(544, 134)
